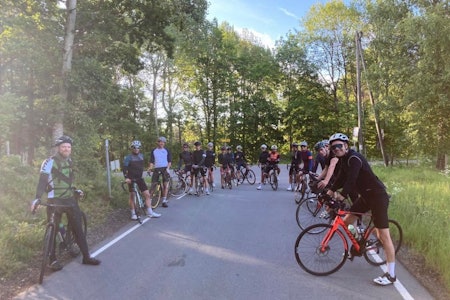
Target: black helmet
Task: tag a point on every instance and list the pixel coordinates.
(197, 143)
(63, 139)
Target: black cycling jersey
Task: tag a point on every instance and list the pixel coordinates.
(133, 166)
(263, 156)
(239, 157)
(319, 161)
(355, 175)
(198, 157)
(210, 159)
(224, 160)
(186, 158)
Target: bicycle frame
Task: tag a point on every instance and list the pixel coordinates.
(339, 222)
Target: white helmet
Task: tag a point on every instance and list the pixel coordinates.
(338, 137)
(238, 147)
(274, 147)
(210, 144)
(135, 145)
(264, 146)
(304, 143)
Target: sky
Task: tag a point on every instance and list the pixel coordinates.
(267, 19)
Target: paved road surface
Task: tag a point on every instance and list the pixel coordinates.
(233, 244)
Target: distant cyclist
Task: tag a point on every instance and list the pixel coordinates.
(160, 163)
(272, 161)
(296, 160)
(133, 169)
(241, 161)
(262, 162)
(210, 161)
(198, 167)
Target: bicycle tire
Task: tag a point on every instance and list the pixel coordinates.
(69, 237)
(312, 259)
(177, 186)
(156, 195)
(251, 177)
(374, 251)
(48, 241)
(310, 212)
(273, 181)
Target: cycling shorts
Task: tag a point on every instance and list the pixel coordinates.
(140, 183)
(378, 203)
(160, 172)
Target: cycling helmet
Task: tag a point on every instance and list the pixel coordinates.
(135, 145)
(304, 143)
(228, 148)
(274, 147)
(319, 145)
(185, 145)
(326, 142)
(294, 145)
(223, 148)
(338, 137)
(264, 146)
(63, 139)
(162, 139)
(210, 144)
(197, 143)
(238, 147)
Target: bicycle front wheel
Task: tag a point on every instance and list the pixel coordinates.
(317, 258)
(310, 212)
(374, 251)
(48, 241)
(156, 196)
(177, 186)
(274, 181)
(251, 177)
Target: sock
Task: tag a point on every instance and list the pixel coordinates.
(149, 211)
(164, 199)
(391, 269)
(132, 211)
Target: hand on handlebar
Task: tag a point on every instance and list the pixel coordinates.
(34, 205)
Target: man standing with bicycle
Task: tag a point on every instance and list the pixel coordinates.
(355, 175)
(160, 163)
(133, 169)
(210, 162)
(56, 178)
(198, 167)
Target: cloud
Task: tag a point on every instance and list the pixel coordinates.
(288, 13)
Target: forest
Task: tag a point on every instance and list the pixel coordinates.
(125, 70)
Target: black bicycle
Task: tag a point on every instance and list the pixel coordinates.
(246, 174)
(54, 232)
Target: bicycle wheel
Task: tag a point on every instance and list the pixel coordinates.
(273, 181)
(177, 186)
(374, 251)
(69, 237)
(318, 260)
(48, 244)
(156, 195)
(310, 212)
(187, 179)
(251, 177)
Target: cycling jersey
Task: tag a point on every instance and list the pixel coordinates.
(160, 158)
(56, 178)
(263, 156)
(210, 159)
(273, 158)
(307, 158)
(133, 166)
(186, 158)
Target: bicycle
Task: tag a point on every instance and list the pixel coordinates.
(322, 249)
(67, 237)
(210, 179)
(51, 234)
(199, 182)
(228, 179)
(300, 187)
(177, 184)
(273, 178)
(139, 203)
(248, 175)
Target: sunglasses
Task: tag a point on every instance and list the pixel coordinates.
(337, 146)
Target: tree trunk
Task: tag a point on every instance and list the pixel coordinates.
(71, 5)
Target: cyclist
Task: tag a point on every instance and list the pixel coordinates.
(232, 160)
(320, 158)
(355, 175)
(295, 164)
(56, 178)
(198, 166)
(185, 158)
(210, 161)
(133, 168)
(160, 162)
(224, 162)
(272, 161)
(240, 160)
(262, 162)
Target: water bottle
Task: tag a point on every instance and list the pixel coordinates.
(62, 229)
(353, 231)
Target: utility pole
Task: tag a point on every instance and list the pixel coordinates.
(372, 100)
(359, 132)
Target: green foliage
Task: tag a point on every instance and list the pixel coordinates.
(420, 203)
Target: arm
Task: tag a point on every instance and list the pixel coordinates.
(42, 185)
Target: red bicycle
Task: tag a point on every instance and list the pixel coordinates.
(322, 249)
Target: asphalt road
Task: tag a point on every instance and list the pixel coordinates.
(232, 244)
